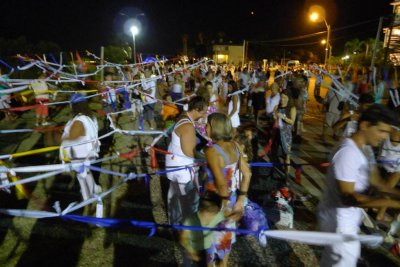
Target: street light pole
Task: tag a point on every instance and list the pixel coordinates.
(328, 46)
(134, 49)
(134, 31)
(135, 27)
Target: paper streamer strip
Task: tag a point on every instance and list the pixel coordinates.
(63, 168)
(305, 237)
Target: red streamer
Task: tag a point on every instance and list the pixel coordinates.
(297, 176)
(153, 159)
(130, 155)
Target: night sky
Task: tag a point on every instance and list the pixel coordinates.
(88, 24)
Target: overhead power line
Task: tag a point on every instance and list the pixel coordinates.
(312, 34)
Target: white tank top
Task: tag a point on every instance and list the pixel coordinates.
(178, 158)
(235, 120)
(87, 150)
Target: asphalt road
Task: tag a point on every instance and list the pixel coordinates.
(55, 242)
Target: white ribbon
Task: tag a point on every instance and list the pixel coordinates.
(321, 238)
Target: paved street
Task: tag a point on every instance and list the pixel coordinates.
(55, 242)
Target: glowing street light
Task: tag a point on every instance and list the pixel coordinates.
(134, 30)
(316, 17)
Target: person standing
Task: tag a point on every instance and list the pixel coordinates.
(272, 103)
(182, 194)
(177, 87)
(109, 97)
(82, 128)
(233, 105)
(224, 162)
(5, 99)
(333, 112)
(199, 244)
(40, 89)
(258, 98)
(352, 171)
(244, 82)
(390, 155)
(149, 87)
(285, 115)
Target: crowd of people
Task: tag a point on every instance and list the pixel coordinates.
(203, 104)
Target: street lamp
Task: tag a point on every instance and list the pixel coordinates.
(134, 30)
(314, 16)
(133, 26)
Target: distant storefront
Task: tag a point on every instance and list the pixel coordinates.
(227, 53)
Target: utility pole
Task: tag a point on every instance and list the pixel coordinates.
(328, 44)
(102, 63)
(378, 33)
(244, 54)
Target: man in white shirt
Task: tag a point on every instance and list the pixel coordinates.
(272, 101)
(244, 81)
(40, 89)
(351, 173)
(149, 87)
(244, 78)
(82, 129)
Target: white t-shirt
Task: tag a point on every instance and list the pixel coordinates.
(245, 77)
(272, 102)
(177, 88)
(216, 82)
(150, 85)
(40, 89)
(348, 164)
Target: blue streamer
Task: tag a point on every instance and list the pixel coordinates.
(152, 231)
(147, 180)
(53, 58)
(127, 103)
(385, 76)
(21, 61)
(263, 164)
(5, 64)
(111, 100)
(110, 222)
(94, 168)
(141, 126)
(81, 168)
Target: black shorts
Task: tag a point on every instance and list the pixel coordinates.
(148, 112)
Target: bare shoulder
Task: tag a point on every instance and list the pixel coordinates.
(77, 125)
(185, 128)
(210, 151)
